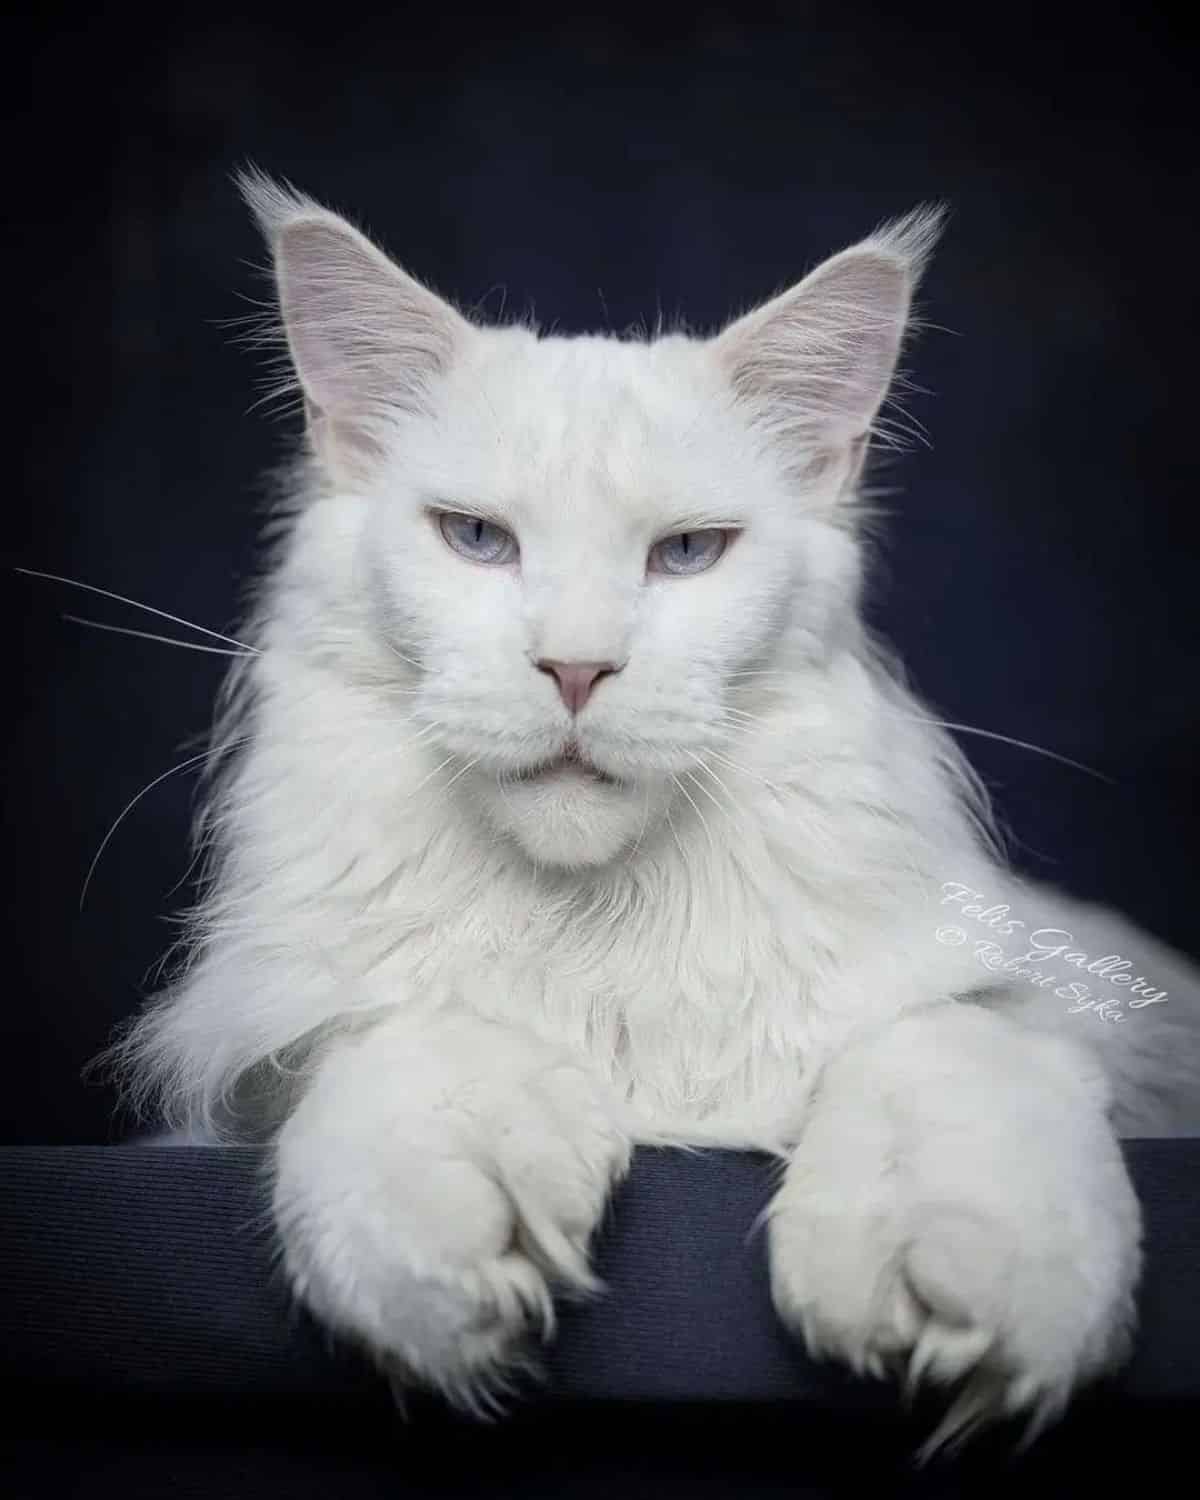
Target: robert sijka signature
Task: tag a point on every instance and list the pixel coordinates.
(1045, 945)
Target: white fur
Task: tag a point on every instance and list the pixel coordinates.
(957, 1206)
(458, 997)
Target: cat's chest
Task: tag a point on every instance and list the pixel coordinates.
(675, 979)
(704, 1001)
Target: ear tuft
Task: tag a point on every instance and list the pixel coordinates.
(911, 239)
(273, 204)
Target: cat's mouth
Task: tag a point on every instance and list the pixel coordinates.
(570, 761)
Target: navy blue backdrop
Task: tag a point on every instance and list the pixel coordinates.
(1038, 568)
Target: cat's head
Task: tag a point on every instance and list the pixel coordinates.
(588, 548)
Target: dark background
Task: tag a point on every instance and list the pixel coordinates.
(1038, 573)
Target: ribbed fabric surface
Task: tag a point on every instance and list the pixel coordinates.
(150, 1270)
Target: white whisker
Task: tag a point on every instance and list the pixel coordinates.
(147, 635)
(704, 765)
(461, 772)
(92, 588)
(424, 733)
(765, 672)
(740, 719)
(441, 766)
(695, 806)
(674, 834)
(407, 660)
(637, 844)
(700, 787)
(744, 771)
(192, 760)
(1005, 739)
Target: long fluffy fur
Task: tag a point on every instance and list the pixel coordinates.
(762, 894)
(857, 818)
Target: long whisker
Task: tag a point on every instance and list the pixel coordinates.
(645, 820)
(745, 771)
(503, 783)
(1005, 739)
(441, 766)
(764, 672)
(408, 660)
(462, 771)
(720, 783)
(695, 806)
(91, 588)
(731, 812)
(739, 719)
(146, 635)
(192, 760)
(422, 734)
(735, 730)
(700, 787)
(674, 834)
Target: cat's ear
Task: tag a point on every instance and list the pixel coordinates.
(365, 338)
(814, 364)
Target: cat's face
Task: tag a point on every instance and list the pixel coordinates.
(588, 551)
(588, 463)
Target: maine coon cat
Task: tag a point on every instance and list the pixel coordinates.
(564, 803)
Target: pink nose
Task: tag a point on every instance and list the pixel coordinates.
(576, 679)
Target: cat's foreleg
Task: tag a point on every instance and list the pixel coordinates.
(958, 1209)
(435, 1185)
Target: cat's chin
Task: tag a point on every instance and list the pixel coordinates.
(569, 816)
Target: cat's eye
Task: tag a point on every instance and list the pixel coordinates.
(473, 537)
(687, 552)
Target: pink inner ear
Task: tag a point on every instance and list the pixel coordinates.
(820, 358)
(365, 337)
(813, 366)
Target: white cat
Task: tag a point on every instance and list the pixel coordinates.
(567, 805)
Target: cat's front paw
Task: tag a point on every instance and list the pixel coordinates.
(436, 1240)
(1015, 1286)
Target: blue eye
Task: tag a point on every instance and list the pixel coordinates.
(480, 540)
(687, 552)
